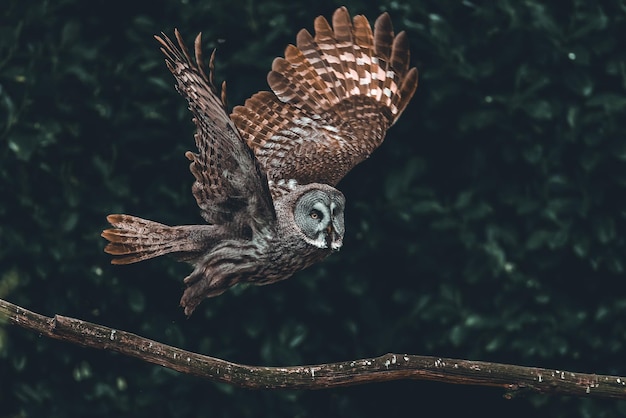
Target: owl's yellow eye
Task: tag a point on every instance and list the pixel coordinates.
(315, 214)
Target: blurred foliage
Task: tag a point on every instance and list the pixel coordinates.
(489, 226)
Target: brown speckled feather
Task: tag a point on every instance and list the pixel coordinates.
(335, 96)
(229, 181)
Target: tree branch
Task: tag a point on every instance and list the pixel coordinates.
(378, 369)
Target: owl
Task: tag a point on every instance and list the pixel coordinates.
(265, 175)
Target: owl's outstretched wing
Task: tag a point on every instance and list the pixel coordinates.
(229, 183)
(334, 97)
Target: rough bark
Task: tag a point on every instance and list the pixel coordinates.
(387, 367)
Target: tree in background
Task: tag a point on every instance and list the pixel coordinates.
(487, 226)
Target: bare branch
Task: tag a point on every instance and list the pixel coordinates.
(384, 368)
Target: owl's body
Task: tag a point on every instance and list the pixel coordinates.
(265, 175)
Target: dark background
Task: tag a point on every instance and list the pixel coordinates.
(489, 226)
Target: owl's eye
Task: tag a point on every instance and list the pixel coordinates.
(315, 214)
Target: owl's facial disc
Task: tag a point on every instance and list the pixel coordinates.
(320, 217)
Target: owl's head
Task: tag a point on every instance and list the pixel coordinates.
(318, 214)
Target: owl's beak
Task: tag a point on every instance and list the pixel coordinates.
(332, 238)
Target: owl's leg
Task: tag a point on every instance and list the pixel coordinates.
(200, 287)
(229, 263)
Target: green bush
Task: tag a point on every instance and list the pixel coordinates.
(489, 226)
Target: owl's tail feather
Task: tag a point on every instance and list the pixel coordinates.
(135, 239)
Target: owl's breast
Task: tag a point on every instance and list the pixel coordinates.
(287, 255)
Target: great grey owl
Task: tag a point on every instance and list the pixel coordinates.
(265, 175)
